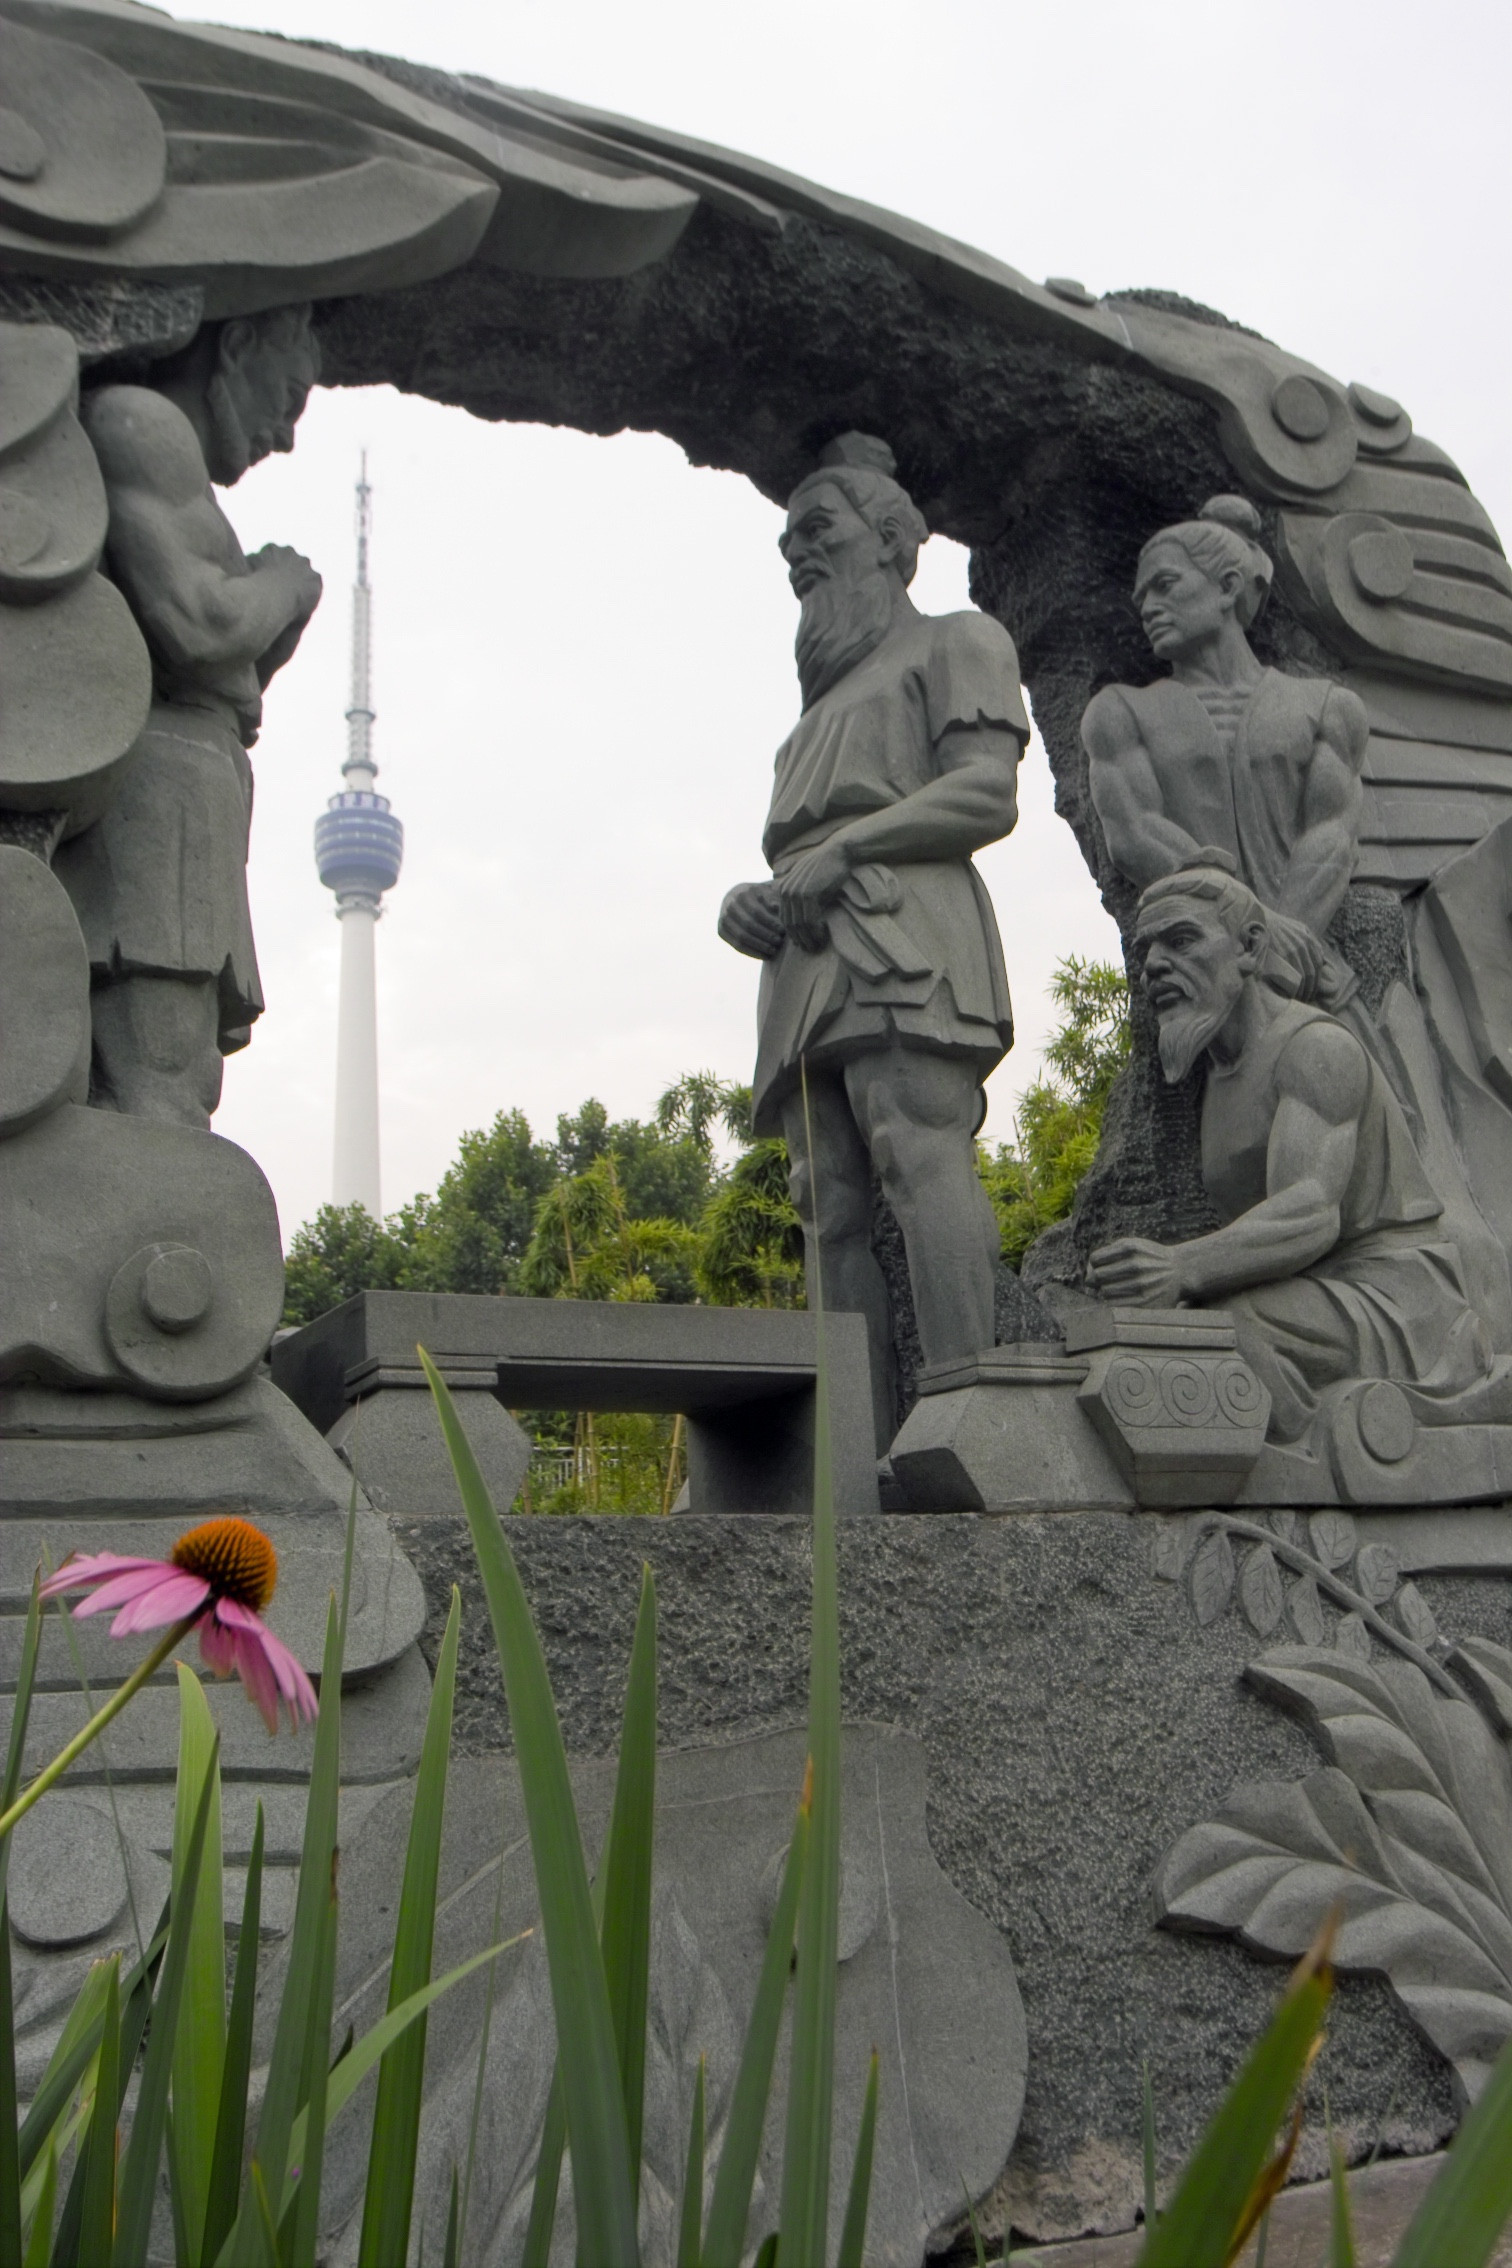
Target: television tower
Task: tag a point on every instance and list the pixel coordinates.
(359, 846)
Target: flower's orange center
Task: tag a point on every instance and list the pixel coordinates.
(233, 1557)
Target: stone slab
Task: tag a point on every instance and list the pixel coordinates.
(923, 1978)
(743, 1377)
(1076, 1718)
(1382, 2199)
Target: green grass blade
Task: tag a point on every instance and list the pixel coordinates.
(139, 2170)
(1147, 2122)
(593, 2095)
(71, 2058)
(264, 2252)
(10, 2155)
(199, 2050)
(1465, 2211)
(730, 2206)
(1195, 2228)
(389, 2202)
(625, 1932)
(347, 2076)
(480, 2075)
(804, 2223)
(690, 2221)
(231, 2115)
(766, 2256)
(289, 2064)
(1342, 2244)
(39, 2238)
(548, 2179)
(853, 2230)
(26, 1679)
(978, 2249)
(307, 2153)
(96, 2220)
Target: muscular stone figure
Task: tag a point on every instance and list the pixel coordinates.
(159, 884)
(1227, 752)
(1331, 1255)
(884, 973)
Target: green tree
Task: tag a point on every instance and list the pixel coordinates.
(750, 1243)
(472, 1236)
(588, 1244)
(341, 1252)
(1032, 1181)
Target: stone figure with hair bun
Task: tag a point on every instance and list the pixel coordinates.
(883, 973)
(1227, 752)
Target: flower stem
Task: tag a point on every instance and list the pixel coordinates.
(54, 1771)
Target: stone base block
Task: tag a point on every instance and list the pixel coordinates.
(1009, 1436)
(390, 1436)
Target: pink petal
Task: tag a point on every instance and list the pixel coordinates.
(253, 1632)
(217, 1645)
(90, 1567)
(257, 1677)
(236, 1616)
(174, 1595)
(112, 1587)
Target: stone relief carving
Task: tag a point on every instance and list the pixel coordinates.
(1330, 1256)
(883, 972)
(1408, 1828)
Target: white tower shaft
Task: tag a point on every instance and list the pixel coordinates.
(355, 1178)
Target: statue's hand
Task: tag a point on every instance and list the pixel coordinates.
(1134, 1271)
(301, 583)
(813, 882)
(749, 920)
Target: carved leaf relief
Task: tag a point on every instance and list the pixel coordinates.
(1415, 1615)
(1212, 1576)
(1260, 1592)
(1352, 1637)
(1409, 1830)
(1333, 1537)
(1306, 1611)
(1169, 1558)
(1377, 1573)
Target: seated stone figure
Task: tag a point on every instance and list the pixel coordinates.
(1331, 1255)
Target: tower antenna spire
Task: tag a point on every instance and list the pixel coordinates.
(359, 848)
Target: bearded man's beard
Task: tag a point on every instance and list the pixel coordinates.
(1183, 1034)
(838, 625)
(233, 443)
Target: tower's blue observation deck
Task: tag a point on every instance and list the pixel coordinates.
(359, 844)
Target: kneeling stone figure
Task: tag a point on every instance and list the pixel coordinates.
(1330, 1256)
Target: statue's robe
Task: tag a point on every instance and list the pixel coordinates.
(913, 952)
(1388, 1301)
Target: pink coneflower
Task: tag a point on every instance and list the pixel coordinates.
(220, 1574)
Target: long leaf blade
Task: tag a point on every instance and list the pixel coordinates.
(690, 2220)
(39, 2238)
(288, 2067)
(804, 2222)
(231, 2117)
(96, 2226)
(1196, 2227)
(1470, 2203)
(309, 2160)
(625, 1934)
(730, 2206)
(199, 2051)
(592, 2092)
(139, 2171)
(389, 2202)
(853, 2230)
(548, 2179)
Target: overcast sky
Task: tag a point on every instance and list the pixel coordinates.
(583, 646)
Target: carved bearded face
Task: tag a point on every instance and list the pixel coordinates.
(1194, 972)
(258, 391)
(839, 566)
(1179, 603)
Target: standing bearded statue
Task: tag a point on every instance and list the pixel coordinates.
(883, 978)
(159, 883)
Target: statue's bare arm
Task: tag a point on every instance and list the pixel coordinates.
(1142, 842)
(972, 801)
(1323, 856)
(1323, 1080)
(203, 605)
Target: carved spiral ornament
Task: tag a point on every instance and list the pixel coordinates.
(1186, 1389)
(1241, 1397)
(1133, 1392)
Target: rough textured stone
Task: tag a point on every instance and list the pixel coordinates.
(1075, 1721)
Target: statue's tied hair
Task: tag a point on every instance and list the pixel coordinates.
(863, 468)
(1224, 535)
(1211, 877)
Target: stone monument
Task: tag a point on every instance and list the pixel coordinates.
(884, 1001)
(1156, 1556)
